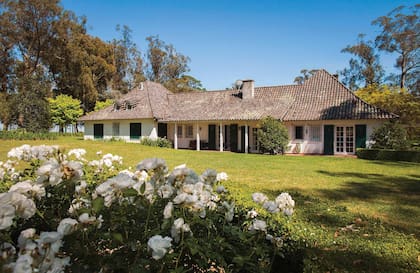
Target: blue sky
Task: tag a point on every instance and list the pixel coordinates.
(266, 40)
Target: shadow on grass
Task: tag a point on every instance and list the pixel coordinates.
(336, 250)
(338, 260)
(399, 164)
(401, 189)
(397, 196)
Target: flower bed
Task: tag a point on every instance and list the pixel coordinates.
(60, 211)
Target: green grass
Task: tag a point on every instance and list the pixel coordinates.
(380, 198)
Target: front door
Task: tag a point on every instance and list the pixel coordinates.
(212, 137)
(328, 139)
(344, 139)
(135, 131)
(98, 131)
(360, 136)
(234, 137)
(163, 130)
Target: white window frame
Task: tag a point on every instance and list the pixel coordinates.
(189, 131)
(315, 131)
(179, 131)
(115, 129)
(345, 139)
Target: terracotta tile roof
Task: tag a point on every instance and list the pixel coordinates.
(149, 102)
(322, 97)
(222, 105)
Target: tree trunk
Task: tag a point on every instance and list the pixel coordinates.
(403, 71)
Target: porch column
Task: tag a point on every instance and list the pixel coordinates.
(176, 137)
(246, 139)
(198, 137)
(221, 137)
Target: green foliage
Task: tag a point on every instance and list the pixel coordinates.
(305, 74)
(397, 101)
(272, 136)
(169, 67)
(64, 110)
(331, 193)
(22, 134)
(392, 155)
(30, 107)
(159, 142)
(365, 68)
(399, 34)
(108, 218)
(391, 135)
(103, 104)
(128, 62)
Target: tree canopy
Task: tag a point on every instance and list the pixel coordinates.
(65, 110)
(399, 33)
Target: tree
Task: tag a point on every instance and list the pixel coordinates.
(397, 101)
(169, 67)
(306, 74)
(391, 135)
(365, 69)
(31, 28)
(127, 61)
(29, 105)
(65, 110)
(272, 136)
(103, 104)
(184, 84)
(400, 34)
(83, 68)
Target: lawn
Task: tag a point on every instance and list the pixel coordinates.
(354, 215)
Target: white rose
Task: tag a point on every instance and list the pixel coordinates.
(159, 246)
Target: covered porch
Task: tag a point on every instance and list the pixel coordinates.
(218, 136)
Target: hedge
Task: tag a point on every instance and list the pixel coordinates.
(392, 155)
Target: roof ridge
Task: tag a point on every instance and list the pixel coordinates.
(282, 85)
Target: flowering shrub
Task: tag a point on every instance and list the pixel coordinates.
(63, 212)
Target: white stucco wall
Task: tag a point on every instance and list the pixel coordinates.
(148, 129)
(317, 147)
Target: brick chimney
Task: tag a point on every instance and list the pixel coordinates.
(247, 89)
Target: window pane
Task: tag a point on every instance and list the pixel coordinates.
(179, 131)
(298, 132)
(189, 131)
(115, 129)
(315, 133)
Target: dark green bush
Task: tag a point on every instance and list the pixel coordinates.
(21, 134)
(272, 136)
(392, 155)
(391, 135)
(159, 142)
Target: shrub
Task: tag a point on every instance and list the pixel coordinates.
(392, 155)
(272, 136)
(64, 212)
(391, 135)
(159, 142)
(22, 134)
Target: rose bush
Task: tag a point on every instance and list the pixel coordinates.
(60, 212)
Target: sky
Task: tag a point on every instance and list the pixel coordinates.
(268, 41)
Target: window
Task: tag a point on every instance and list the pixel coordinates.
(116, 129)
(189, 131)
(344, 139)
(179, 131)
(315, 133)
(299, 132)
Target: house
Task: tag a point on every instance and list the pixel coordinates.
(322, 116)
